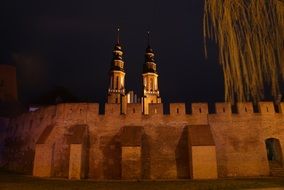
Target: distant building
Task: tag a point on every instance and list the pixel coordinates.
(8, 84)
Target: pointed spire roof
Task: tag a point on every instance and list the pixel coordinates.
(148, 49)
(148, 35)
(149, 65)
(117, 60)
(117, 45)
(117, 35)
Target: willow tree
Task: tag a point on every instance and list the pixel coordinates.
(249, 36)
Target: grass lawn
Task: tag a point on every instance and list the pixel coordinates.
(10, 181)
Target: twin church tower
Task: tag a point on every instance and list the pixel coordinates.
(116, 90)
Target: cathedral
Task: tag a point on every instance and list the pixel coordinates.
(135, 139)
(116, 90)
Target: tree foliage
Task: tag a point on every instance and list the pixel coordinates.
(249, 35)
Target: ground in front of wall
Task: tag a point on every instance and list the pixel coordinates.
(12, 181)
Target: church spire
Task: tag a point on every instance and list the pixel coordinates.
(116, 74)
(151, 92)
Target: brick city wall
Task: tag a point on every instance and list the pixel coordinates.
(79, 142)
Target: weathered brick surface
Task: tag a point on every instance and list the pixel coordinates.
(203, 162)
(223, 108)
(43, 161)
(199, 108)
(131, 162)
(245, 108)
(266, 108)
(177, 109)
(76, 161)
(239, 139)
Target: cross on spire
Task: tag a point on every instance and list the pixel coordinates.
(148, 38)
(117, 37)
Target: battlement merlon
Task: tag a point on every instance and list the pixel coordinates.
(79, 111)
(84, 111)
(177, 109)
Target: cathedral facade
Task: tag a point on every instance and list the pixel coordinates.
(116, 90)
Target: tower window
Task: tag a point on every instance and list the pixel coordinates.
(177, 111)
(116, 100)
(117, 82)
(267, 109)
(133, 110)
(199, 110)
(224, 110)
(151, 84)
(246, 109)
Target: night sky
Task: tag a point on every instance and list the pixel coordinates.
(69, 43)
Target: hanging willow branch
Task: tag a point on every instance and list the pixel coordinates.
(249, 34)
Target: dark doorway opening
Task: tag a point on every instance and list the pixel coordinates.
(274, 152)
